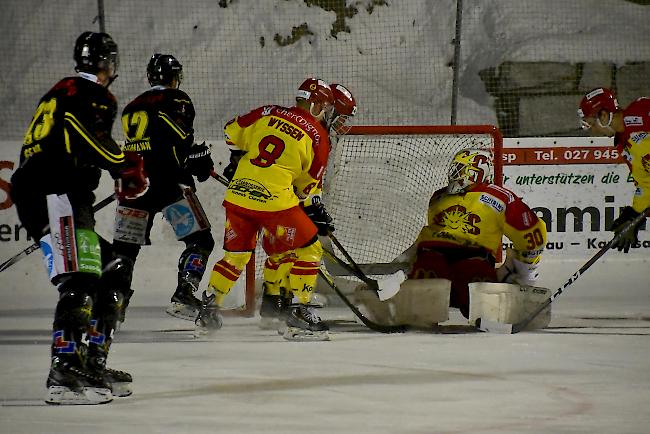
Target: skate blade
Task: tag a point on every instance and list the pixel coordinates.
(301, 335)
(182, 311)
(120, 390)
(62, 395)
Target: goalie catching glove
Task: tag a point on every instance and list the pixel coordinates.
(321, 218)
(515, 270)
(629, 237)
(199, 162)
(132, 181)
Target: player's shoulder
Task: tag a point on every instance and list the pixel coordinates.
(77, 87)
(177, 96)
(639, 104)
(247, 119)
(152, 97)
(438, 194)
(500, 192)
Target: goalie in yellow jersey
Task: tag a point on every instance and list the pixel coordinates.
(466, 222)
(283, 153)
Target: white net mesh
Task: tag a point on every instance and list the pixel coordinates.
(380, 180)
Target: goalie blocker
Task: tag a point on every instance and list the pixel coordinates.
(424, 303)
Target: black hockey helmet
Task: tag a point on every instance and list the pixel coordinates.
(94, 52)
(163, 69)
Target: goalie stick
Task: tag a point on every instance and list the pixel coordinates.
(497, 327)
(385, 288)
(34, 247)
(322, 272)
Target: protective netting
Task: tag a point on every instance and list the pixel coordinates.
(380, 180)
(523, 66)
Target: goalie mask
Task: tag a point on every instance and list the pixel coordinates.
(345, 107)
(318, 95)
(469, 167)
(593, 104)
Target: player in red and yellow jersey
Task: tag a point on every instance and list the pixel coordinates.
(276, 296)
(466, 223)
(282, 153)
(630, 127)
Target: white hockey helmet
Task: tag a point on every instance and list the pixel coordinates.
(469, 167)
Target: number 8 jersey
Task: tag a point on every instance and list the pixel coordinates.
(286, 154)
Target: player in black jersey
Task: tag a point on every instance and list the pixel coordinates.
(67, 144)
(158, 125)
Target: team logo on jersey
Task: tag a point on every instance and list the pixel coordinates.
(645, 161)
(250, 189)
(457, 218)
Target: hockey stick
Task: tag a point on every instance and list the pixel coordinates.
(222, 179)
(385, 288)
(496, 327)
(29, 250)
(322, 272)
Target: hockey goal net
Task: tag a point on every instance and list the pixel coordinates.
(378, 184)
(380, 179)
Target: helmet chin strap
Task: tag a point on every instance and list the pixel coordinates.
(318, 116)
(609, 121)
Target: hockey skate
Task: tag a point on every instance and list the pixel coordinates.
(273, 311)
(120, 382)
(303, 324)
(184, 304)
(208, 319)
(71, 385)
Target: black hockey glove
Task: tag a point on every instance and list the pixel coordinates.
(323, 221)
(230, 169)
(630, 237)
(199, 162)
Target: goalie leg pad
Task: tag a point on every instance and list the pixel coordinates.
(420, 303)
(508, 303)
(423, 303)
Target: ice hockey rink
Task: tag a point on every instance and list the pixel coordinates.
(587, 373)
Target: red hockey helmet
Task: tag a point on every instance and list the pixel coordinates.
(596, 100)
(316, 92)
(345, 106)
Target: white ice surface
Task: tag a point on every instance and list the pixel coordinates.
(588, 373)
